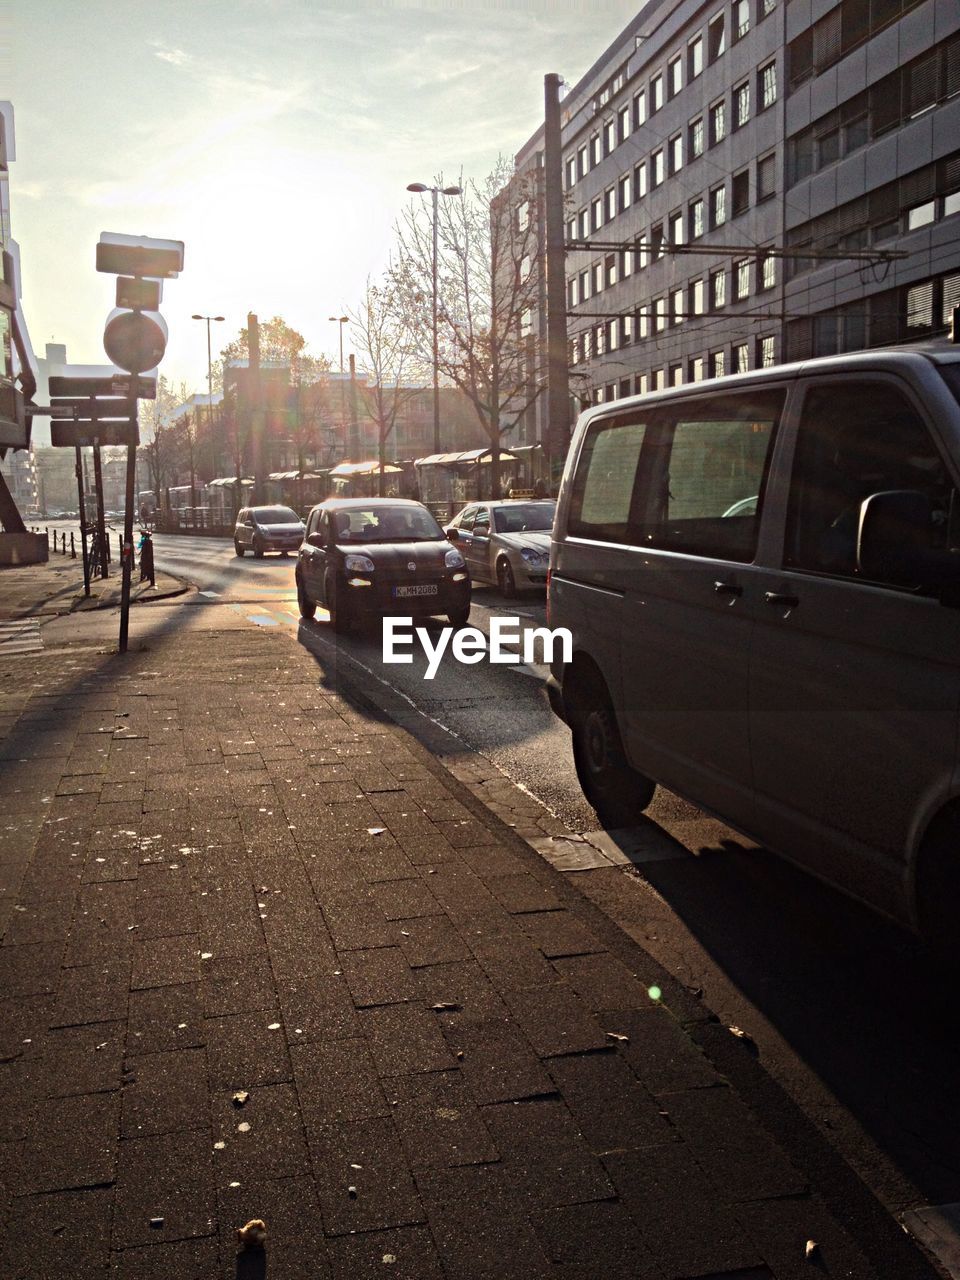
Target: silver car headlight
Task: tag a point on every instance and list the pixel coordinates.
(531, 556)
(453, 559)
(358, 564)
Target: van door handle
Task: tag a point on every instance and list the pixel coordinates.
(727, 589)
(778, 597)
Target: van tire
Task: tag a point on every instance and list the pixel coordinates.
(938, 889)
(618, 793)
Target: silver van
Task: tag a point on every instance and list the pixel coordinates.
(761, 575)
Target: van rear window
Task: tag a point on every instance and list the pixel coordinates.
(604, 481)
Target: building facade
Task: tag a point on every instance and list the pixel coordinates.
(757, 181)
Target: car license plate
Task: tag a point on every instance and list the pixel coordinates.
(421, 589)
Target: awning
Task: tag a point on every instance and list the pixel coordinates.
(295, 475)
(347, 469)
(224, 482)
(467, 457)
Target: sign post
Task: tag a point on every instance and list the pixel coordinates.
(101, 521)
(83, 523)
(126, 569)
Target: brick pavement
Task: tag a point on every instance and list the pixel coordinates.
(217, 874)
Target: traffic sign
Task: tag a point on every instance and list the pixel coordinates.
(140, 295)
(80, 433)
(135, 340)
(114, 385)
(123, 255)
(85, 407)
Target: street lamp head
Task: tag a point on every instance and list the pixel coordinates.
(417, 186)
(219, 317)
(453, 191)
(198, 317)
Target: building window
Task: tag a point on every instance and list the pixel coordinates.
(951, 203)
(696, 298)
(626, 330)
(656, 168)
(718, 364)
(640, 181)
(639, 108)
(609, 136)
(766, 177)
(741, 104)
(571, 171)
(765, 352)
(676, 228)
(741, 18)
(716, 37)
(572, 298)
(613, 335)
(741, 272)
(695, 137)
(656, 93)
(658, 380)
(676, 153)
(623, 122)
(740, 192)
(677, 306)
(694, 57)
(596, 214)
(582, 165)
(659, 315)
(610, 269)
(584, 223)
(718, 207)
(594, 151)
(696, 369)
(656, 240)
(623, 193)
(643, 322)
(697, 226)
(675, 75)
(626, 263)
(718, 122)
(584, 285)
(921, 215)
(718, 289)
(609, 204)
(765, 8)
(599, 343)
(741, 357)
(768, 272)
(596, 278)
(767, 85)
(676, 375)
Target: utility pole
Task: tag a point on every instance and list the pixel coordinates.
(558, 389)
(354, 425)
(256, 408)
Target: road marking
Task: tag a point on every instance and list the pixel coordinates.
(211, 594)
(263, 619)
(22, 636)
(937, 1227)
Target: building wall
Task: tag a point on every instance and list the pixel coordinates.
(643, 309)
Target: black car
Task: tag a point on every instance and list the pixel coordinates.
(366, 557)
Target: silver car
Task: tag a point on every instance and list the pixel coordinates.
(505, 542)
(261, 529)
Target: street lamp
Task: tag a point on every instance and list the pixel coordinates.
(436, 192)
(341, 321)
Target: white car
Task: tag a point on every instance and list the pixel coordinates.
(505, 542)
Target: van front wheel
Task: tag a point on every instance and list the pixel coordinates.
(618, 793)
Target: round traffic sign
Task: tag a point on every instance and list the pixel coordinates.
(135, 340)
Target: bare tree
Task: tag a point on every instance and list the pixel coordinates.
(489, 276)
(384, 335)
(156, 419)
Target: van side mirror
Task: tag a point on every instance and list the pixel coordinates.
(893, 539)
(316, 540)
(453, 534)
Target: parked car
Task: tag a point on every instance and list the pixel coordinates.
(262, 529)
(507, 543)
(761, 576)
(366, 557)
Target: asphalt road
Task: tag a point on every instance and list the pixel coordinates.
(846, 1012)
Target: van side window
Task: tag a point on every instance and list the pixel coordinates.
(603, 485)
(706, 475)
(855, 439)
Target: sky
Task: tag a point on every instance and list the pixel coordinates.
(274, 137)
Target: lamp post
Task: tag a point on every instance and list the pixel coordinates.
(209, 375)
(341, 321)
(436, 192)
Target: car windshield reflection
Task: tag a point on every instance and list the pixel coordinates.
(386, 524)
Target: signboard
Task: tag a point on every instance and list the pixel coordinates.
(114, 385)
(123, 255)
(135, 340)
(83, 407)
(14, 431)
(69, 435)
(140, 295)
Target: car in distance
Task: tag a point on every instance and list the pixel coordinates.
(262, 529)
(365, 557)
(761, 577)
(506, 542)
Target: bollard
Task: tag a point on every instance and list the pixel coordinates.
(73, 549)
(120, 545)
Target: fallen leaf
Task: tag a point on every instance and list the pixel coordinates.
(812, 1249)
(443, 1005)
(615, 1035)
(240, 1097)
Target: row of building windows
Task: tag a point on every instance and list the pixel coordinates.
(740, 357)
(711, 211)
(905, 94)
(895, 315)
(665, 85)
(847, 25)
(685, 302)
(907, 204)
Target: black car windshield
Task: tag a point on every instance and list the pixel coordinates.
(275, 515)
(524, 517)
(385, 524)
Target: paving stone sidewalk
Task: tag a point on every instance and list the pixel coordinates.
(262, 957)
(56, 587)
